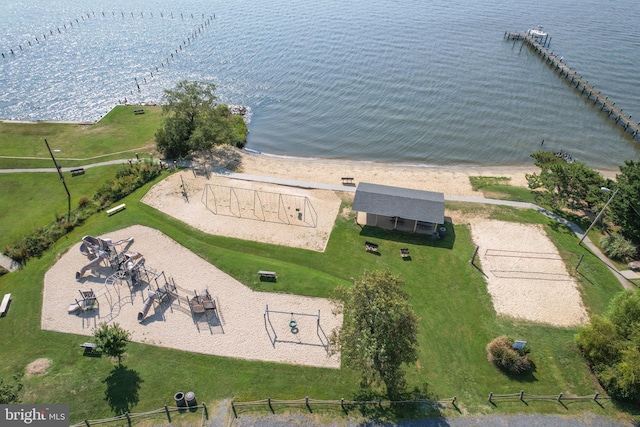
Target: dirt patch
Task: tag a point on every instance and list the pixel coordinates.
(38, 367)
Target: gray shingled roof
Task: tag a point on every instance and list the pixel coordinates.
(427, 206)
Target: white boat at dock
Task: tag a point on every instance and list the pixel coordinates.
(537, 32)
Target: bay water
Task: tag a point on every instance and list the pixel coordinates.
(404, 81)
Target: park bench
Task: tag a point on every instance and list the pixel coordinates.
(5, 304)
(140, 111)
(269, 275)
(77, 171)
(90, 348)
(116, 209)
(347, 180)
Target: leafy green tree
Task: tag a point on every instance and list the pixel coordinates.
(624, 312)
(560, 184)
(112, 340)
(195, 122)
(599, 342)
(625, 207)
(379, 332)
(611, 346)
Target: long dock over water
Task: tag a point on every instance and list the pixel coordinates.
(557, 63)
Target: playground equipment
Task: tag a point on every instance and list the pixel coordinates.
(294, 326)
(86, 302)
(161, 294)
(260, 205)
(147, 305)
(97, 249)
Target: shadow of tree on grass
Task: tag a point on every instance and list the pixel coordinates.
(123, 385)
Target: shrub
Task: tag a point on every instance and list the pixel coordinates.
(501, 353)
(618, 248)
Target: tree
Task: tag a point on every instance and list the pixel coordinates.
(379, 332)
(561, 184)
(625, 207)
(195, 122)
(611, 346)
(112, 340)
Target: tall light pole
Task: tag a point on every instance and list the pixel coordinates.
(59, 169)
(599, 213)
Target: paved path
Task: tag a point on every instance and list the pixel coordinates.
(623, 278)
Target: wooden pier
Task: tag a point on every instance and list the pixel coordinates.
(576, 80)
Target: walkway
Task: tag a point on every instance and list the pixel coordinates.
(622, 278)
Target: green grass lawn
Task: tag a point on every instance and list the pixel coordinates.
(448, 294)
(31, 200)
(120, 134)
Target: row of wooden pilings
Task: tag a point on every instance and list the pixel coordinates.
(72, 23)
(558, 64)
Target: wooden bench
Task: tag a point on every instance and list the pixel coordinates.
(370, 247)
(77, 171)
(138, 111)
(347, 180)
(116, 209)
(5, 304)
(270, 275)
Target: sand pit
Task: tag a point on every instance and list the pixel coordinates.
(526, 276)
(238, 328)
(261, 212)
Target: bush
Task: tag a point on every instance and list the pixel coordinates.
(501, 353)
(618, 248)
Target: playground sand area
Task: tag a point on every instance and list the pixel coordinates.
(526, 276)
(237, 328)
(260, 212)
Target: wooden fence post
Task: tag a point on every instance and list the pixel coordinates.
(522, 395)
(233, 407)
(559, 397)
(342, 405)
(126, 414)
(87, 422)
(269, 403)
(306, 402)
(490, 396)
(595, 397)
(166, 409)
(206, 411)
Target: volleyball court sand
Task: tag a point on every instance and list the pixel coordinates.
(253, 211)
(526, 276)
(239, 329)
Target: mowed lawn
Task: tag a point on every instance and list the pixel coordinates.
(118, 135)
(447, 292)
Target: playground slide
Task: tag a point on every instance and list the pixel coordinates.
(93, 263)
(147, 305)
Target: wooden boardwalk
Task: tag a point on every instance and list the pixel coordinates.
(603, 102)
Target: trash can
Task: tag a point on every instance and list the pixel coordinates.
(179, 398)
(443, 231)
(191, 399)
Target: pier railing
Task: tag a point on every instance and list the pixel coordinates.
(540, 46)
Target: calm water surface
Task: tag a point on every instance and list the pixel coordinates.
(392, 81)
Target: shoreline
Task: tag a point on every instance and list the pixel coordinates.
(451, 180)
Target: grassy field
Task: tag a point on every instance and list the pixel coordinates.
(449, 295)
(118, 135)
(457, 319)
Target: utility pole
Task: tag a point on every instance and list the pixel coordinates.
(600, 213)
(59, 169)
